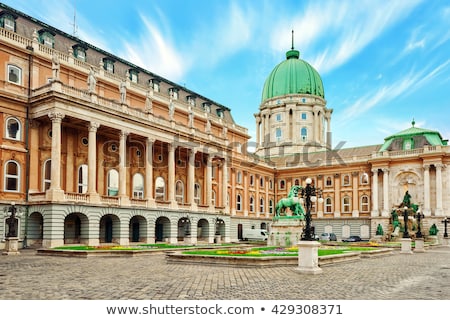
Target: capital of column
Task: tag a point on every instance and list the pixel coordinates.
(426, 167)
(56, 116)
(124, 134)
(93, 126)
(385, 170)
(440, 166)
(374, 171)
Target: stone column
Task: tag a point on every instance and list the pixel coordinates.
(374, 212)
(225, 185)
(316, 137)
(208, 183)
(34, 157)
(149, 173)
(426, 190)
(122, 168)
(355, 196)
(92, 162)
(191, 179)
(171, 175)
(385, 212)
(439, 209)
(337, 196)
(55, 193)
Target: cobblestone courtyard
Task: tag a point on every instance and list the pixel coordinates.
(397, 276)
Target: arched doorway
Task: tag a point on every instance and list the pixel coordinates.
(35, 232)
(75, 228)
(202, 230)
(162, 229)
(137, 229)
(109, 228)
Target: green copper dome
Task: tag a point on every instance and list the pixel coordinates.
(413, 138)
(293, 76)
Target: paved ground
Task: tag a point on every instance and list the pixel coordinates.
(397, 276)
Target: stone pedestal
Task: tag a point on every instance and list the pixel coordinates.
(285, 231)
(406, 245)
(308, 257)
(11, 246)
(446, 242)
(187, 239)
(217, 239)
(419, 246)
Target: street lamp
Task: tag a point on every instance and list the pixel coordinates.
(308, 197)
(445, 222)
(419, 216)
(405, 220)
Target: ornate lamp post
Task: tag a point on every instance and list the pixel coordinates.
(405, 220)
(419, 217)
(445, 222)
(308, 197)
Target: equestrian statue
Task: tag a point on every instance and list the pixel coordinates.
(292, 202)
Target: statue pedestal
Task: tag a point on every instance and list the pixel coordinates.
(285, 231)
(308, 257)
(406, 245)
(419, 246)
(11, 246)
(446, 242)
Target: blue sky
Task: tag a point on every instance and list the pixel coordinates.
(383, 63)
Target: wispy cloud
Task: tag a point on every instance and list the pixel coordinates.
(403, 86)
(345, 27)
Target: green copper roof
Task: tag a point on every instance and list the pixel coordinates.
(292, 76)
(414, 138)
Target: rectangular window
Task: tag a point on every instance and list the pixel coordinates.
(278, 117)
(303, 115)
(9, 24)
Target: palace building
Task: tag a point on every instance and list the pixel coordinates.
(95, 149)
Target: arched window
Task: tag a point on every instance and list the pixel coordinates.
(252, 180)
(197, 193)
(329, 182)
(14, 74)
(13, 129)
(213, 197)
(160, 189)
(12, 176)
(261, 182)
(296, 182)
(113, 182)
(304, 134)
(364, 203)
(282, 184)
(179, 191)
(261, 205)
(346, 201)
(47, 174)
(328, 205)
(270, 184)
(83, 178)
(271, 206)
(364, 178)
(138, 186)
(239, 177)
(346, 179)
(238, 202)
(252, 204)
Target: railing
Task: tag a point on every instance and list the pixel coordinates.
(78, 197)
(110, 200)
(67, 58)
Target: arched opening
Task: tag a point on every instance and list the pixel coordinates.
(202, 230)
(162, 229)
(75, 228)
(109, 229)
(35, 230)
(137, 229)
